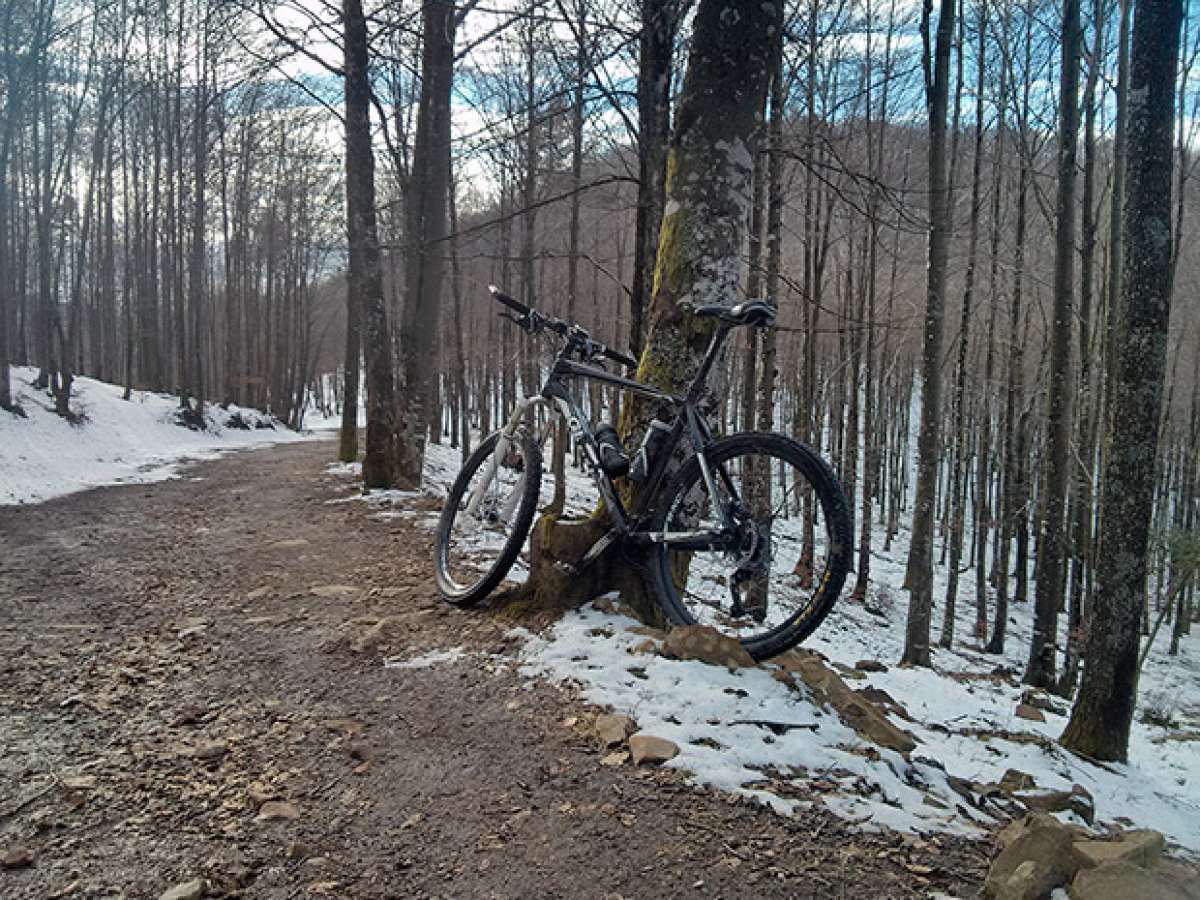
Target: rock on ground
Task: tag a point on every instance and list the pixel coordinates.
(706, 644)
(612, 729)
(1125, 881)
(1041, 853)
(189, 890)
(852, 708)
(649, 749)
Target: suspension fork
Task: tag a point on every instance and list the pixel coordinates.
(503, 444)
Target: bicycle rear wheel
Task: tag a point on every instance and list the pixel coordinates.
(477, 542)
(771, 578)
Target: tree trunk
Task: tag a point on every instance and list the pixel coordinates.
(1013, 496)
(1051, 569)
(958, 486)
(1103, 712)
(1082, 500)
(749, 384)
(660, 20)
(364, 273)
(920, 559)
(197, 265)
(348, 435)
(1117, 208)
(425, 230)
(460, 355)
(768, 373)
(984, 509)
(14, 95)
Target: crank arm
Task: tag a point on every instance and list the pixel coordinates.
(594, 553)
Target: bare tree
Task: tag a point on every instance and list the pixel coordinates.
(364, 276)
(1051, 569)
(920, 559)
(1103, 711)
(958, 499)
(424, 233)
(660, 22)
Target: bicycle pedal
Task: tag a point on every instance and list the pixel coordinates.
(566, 568)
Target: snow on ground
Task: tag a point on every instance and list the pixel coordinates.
(116, 441)
(427, 660)
(962, 710)
(963, 728)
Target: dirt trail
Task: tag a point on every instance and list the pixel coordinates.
(175, 656)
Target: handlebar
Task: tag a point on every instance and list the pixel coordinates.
(533, 321)
(515, 305)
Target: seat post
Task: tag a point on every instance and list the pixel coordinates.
(696, 391)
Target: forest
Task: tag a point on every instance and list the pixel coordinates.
(298, 206)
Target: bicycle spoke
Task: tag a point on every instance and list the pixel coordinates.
(766, 580)
(484, 525)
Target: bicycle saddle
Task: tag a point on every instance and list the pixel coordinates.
(752, 312)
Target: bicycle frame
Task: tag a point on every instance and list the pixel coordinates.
(556, 397)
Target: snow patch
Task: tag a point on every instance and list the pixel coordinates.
(427, 660)
(116, 441)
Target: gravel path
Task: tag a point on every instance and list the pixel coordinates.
(192, 687)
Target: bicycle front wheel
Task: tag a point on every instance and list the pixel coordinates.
(779, 542)
(487, 517)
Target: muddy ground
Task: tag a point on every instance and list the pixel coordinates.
(192, 687)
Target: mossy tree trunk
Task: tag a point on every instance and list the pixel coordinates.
(705, 221)
(1103, 712)
(660, 23)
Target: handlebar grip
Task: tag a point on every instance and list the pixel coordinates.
(617, 356)
(515, 305)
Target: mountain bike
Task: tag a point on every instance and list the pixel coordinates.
(747, 533)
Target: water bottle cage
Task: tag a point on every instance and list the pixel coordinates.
(652, 441)
(613, 459)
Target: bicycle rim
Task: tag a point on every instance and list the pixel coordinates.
(779, 576)
(486, 519)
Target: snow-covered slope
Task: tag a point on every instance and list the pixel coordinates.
(115, 442)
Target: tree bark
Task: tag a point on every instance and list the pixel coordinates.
(984, 509)
(198, 262)
(920, 559)
(1013, 494)
(14, 94)
(425, 231)
(1083, 500)
(874, 444)
(1051, 569)
(364, 275)
(1103, 712)
(656, 52)
(958, 478)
